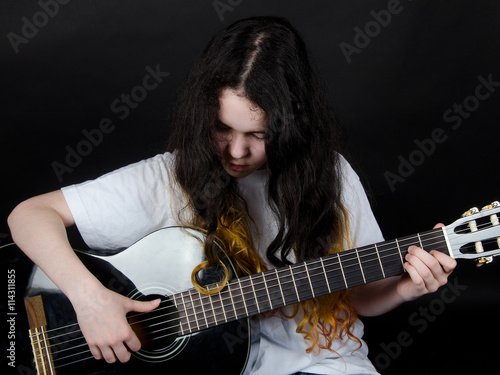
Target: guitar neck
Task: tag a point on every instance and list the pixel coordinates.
(266, 291)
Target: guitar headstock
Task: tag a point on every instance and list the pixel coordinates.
(476, 235)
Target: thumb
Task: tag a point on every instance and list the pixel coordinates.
(144, 306)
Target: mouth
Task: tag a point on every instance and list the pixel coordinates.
(237, 167)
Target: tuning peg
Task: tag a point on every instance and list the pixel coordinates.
(490, 206)
(482, 261)
(472, 211)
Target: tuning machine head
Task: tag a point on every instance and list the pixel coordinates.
(490, 206)
(484, 260)
(472, 211)
(480, 222)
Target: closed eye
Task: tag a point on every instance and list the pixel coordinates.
(259, 135)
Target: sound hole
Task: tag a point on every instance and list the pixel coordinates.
(158, 330)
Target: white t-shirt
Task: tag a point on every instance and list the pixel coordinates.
(121, 207)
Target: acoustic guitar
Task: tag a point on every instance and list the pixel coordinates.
(194, 332)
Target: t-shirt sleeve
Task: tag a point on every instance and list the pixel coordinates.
(119, 208)
(363, 227)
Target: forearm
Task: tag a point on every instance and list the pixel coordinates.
(38, 226)
(376, 298)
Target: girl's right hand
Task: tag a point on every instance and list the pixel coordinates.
(102, 319)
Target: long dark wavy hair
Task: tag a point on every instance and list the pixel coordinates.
(265, 59)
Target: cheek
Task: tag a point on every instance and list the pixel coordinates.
(260, 152)
(220, 141)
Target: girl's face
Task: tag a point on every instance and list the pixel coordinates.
(239, 134)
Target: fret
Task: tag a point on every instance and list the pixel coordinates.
(420, 241)
(390, 258)
(266, 287)
(231, 300)
(188, 308)
(302, 283)
(342, 269)
(288, 287)
(208, 309)
(399, 250)
(309, 279)
(360, 266)
(280, 288)
(219, 307)
(217, 310)
(248, 296)
(371, 263)
(379, 261)
(334, 274)
(317, 279)
(406, 242)
(195, 309)
(351, 268)
(261, 293)
(181, 310)
(257, 304)
(324, 273)
(213, 312)
(294, 284)
(228, 305)
(242, 296)
(434, 240)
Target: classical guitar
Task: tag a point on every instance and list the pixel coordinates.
(190, 329)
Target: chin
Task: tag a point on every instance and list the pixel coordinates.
(239, 174)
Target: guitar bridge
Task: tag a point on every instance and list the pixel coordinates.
(39, 340)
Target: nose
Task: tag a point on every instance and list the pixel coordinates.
(238, 147)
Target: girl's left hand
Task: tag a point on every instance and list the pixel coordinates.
(426, 272)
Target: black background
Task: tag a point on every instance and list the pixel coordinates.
(393, 92)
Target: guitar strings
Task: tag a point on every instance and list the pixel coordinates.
(256, 291)
(309, 269)
(86, 351)
(200, 296)
(199, 299)
(76, 324)
(135, 315)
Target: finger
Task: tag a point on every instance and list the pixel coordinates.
(134, 344)
(121, 352)
(427, 267)
(96, 352)
(438, 225)
(416, 279)
(108, 354)
(448, 264)
(143, 306)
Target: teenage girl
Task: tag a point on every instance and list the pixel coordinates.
(254, 160)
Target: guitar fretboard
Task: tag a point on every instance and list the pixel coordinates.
(266, 291)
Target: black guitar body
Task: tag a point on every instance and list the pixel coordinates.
(158, 273)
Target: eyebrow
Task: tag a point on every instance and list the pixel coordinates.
(250, 132)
